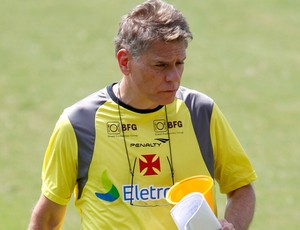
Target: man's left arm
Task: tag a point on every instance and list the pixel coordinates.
(240, 207)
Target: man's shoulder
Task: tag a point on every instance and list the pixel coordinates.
(89, 103)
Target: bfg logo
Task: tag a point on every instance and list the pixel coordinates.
(114, 127)
(162, 125)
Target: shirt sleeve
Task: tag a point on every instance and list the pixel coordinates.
(233, 168)
(59, 171)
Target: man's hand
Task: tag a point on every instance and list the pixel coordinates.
(226, 225)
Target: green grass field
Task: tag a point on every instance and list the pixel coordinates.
(245, 54)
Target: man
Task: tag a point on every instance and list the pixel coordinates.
(121, 148)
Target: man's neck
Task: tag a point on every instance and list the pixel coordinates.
(125, 94)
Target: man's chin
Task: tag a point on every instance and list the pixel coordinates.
(167, 101)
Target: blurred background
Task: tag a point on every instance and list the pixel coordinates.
(245, 55)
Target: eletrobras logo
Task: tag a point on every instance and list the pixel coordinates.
(149, 166)
(111, 193)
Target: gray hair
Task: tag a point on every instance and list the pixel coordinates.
(153, 20)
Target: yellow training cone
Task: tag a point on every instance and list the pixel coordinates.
(200, 183)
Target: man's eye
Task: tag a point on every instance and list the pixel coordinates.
(161, 65)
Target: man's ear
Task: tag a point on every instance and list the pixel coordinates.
(123, 57)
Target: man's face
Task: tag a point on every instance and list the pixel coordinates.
(155, 75)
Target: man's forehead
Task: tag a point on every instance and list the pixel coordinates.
(165, 50)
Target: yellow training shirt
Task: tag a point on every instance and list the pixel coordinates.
(119, 161)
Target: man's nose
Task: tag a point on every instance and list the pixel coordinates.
(174, 74)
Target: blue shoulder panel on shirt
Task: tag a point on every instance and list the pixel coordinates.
(82, 118)
(200, 107)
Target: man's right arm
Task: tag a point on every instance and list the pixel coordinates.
(47, 215)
